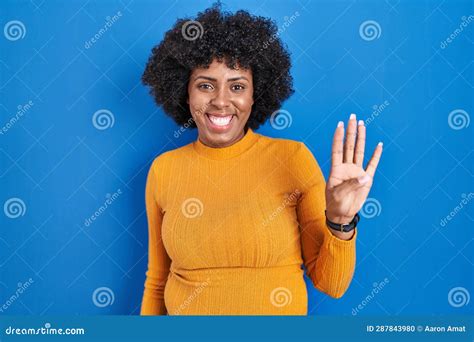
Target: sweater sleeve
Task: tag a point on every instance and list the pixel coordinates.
(329, 261)
(158, 260)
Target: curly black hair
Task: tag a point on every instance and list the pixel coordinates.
(240, 40)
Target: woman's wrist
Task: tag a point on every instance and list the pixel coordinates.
(340, 220)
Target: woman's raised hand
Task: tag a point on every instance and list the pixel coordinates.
(349, 184)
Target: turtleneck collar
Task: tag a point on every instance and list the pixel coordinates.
(219, 153)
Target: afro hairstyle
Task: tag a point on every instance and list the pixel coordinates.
(241, 40)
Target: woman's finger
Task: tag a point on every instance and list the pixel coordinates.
(374, 161)
(360, 144)
(337, 143)
(350, 140)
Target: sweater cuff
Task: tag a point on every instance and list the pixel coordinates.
(335, 241)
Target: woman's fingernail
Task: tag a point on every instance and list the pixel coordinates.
(340, 124)
(361, 122)
(380, 143)
(352, 117)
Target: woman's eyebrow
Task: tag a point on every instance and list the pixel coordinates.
(228, 80)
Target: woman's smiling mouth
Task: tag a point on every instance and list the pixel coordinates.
(219, 123)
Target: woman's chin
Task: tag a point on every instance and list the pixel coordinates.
(214, 139)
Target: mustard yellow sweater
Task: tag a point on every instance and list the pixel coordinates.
(230, 228)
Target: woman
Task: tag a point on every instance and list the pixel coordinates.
(235, 215)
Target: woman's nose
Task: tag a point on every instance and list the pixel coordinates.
(221, 99)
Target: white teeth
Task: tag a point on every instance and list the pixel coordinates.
(219, 120)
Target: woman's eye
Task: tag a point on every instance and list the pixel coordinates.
(205, 86)
(238, 87)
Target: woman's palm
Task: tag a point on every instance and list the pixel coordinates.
(349, 184)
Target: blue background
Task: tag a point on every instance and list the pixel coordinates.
(63, 168)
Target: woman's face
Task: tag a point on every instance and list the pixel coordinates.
(220, 100)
